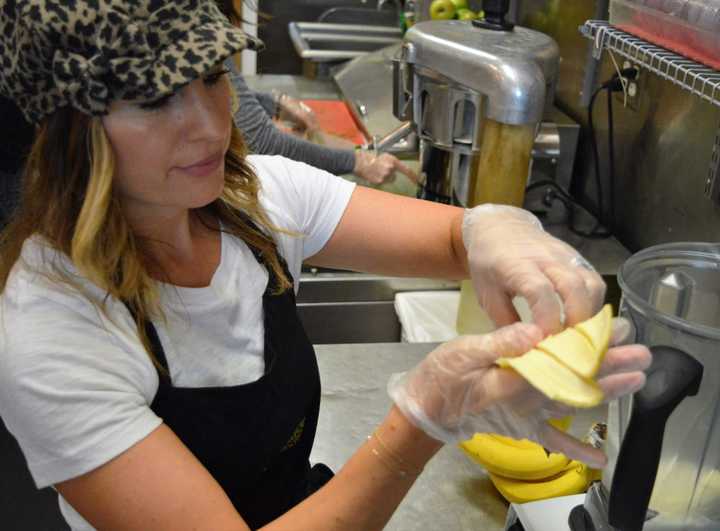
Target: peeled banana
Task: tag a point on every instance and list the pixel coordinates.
(562, 366)
(554, 379)
(574, 478)
(598, 328)
(574, 350)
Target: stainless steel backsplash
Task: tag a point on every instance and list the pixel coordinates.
(663, 141)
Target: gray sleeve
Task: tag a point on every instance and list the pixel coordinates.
(267, 101)
(263, 137)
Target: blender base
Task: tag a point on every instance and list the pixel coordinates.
(544, 515)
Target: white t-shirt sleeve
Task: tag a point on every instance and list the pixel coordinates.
(74, 388)
(303, 199)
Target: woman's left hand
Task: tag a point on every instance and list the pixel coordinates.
(457, 390)
(297, 112)
(509, 255)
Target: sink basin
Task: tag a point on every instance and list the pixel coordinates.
(329, 42)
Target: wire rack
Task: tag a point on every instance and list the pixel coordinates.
(694, 77)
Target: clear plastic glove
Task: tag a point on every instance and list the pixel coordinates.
(295, 111)
(509, 254)
(381, 168)
(457, 390)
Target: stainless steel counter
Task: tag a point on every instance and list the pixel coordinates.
(453, 493)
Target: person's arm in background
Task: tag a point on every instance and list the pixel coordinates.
(261, 136)
(266, 100)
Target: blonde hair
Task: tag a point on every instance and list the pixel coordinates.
(68, 198)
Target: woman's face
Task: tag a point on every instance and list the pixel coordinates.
(170, 154)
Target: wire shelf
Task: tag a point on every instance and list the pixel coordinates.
(692, 76)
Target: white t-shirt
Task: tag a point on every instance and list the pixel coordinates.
(76, 386)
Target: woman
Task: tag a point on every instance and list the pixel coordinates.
(255, 121)
(152, 365)
(262, 136)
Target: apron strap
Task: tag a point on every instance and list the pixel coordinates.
(155, 344)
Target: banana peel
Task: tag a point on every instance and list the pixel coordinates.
(574, 478)
(563, 366)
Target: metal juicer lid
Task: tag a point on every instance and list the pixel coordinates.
(512, 68)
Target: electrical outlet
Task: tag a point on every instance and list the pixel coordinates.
(633, 87)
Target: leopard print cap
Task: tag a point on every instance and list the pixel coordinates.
(87, 53)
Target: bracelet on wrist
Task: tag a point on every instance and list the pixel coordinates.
(390, 459)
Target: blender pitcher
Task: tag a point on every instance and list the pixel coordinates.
(663, 443)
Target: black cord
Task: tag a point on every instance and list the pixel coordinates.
(600, 216)
(611, 160)
(614, 84)
(555, 192)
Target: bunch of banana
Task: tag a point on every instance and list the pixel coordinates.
(574, 478)
(515, 459)
(562, 367)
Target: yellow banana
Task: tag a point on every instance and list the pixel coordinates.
(562, 366)
(511, 458)
(574, 478)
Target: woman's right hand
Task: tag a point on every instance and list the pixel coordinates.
(457, 390)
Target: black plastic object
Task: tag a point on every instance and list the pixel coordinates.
(672, 376)
(495, 12)
(580, 520)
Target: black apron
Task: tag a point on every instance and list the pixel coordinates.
(255, 439)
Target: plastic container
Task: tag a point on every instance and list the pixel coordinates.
(671, 294)
(427, 316)
(688, 27)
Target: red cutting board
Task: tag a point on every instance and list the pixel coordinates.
(334, 117)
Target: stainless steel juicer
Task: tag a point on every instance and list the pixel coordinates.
(451, 76)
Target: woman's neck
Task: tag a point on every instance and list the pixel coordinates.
(183, 248)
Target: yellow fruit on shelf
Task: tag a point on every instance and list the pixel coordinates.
(563, 365)
(466, 14)
(442, 10)
(511, 458)
(460, 4)
(574, 478)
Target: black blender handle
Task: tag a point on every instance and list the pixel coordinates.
(494, 19)
(672, 376)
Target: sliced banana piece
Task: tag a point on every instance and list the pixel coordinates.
(574, 350)
(554, 379)
(598, 329)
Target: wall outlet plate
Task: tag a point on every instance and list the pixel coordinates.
(633, 88)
